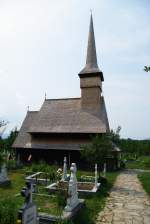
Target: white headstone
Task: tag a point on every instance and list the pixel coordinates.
(104, 170)
(64, 176)
(72, 200)
(96, 175)
(3, 174)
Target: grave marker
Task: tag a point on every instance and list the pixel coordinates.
(28, 213)
(72, 200)
(3, 176)
(64, 176)
(96, 178)
(104, 170)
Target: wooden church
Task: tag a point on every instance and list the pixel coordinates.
(62, 126)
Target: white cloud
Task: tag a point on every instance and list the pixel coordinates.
(43, 47)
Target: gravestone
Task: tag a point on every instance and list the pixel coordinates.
(3, 176)
(104, 170)
(72, 200)
(18, 161)
(64, 176)
(28, 213)
(96, 177)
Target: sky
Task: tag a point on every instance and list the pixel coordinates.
(43, 48)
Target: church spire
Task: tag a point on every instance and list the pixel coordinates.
(91, 66)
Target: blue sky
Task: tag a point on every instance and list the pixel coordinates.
(43, 48)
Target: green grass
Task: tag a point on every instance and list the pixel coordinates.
(94, 203)
(145, 180)
(142, 162)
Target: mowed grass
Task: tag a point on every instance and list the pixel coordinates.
(142, 162)
(45, 204)
(49, 204)
(145, 180)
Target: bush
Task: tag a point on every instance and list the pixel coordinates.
(44, 167)
(11, 164)
(8, 211)
(61, 198)
(146, 163)
(1, 159)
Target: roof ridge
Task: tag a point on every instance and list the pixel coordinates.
(33, 111)
(77, 98)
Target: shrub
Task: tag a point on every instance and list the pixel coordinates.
(8, 211)
(61, 198)
(44, 167)
(1, 159)
(146, 163)
(11, 164)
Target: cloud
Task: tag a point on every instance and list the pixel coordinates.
(43, 47)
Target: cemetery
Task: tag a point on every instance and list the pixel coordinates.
(82, 187)
(27, 193)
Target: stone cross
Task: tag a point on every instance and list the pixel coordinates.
(18, 160)
(27, 192)
(3, 174)
(96, 177)
(104, 170)
(28, 213)
(72, 200)
(64, 176)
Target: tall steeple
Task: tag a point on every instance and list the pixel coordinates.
(91, 66)
(91, 77)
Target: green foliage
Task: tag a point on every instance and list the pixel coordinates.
(147, 163)
(95, 203)
(11, 164)
(138, 147)
(11, 201)
(5, 144)
(147, 68)
(99, 148)
(61, 198)
(145, 180)
(142, 162)
(8, 211)
(1, 159)
(42, 166)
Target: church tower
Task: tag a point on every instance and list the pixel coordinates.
(91, 77)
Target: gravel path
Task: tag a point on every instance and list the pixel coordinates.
(128, 203)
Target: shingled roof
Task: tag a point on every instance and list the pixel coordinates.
(23, 139)
(67, 116)
(62, 116)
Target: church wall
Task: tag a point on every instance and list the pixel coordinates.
(59, 139)
(90, 82)
(90, 96)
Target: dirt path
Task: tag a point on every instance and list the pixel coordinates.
(128, 203)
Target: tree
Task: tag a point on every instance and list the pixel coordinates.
(2, 127)
(147, 68)
(10, 139)
(99, 149)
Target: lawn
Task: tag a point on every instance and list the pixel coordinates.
(142, 162)
(145, 180)
(51, 203)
